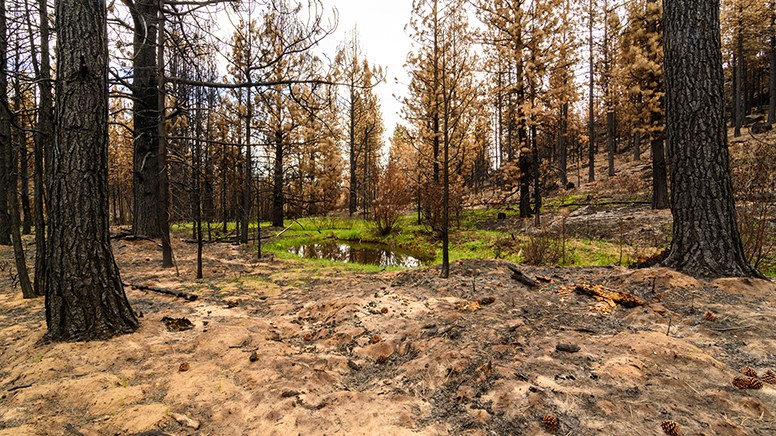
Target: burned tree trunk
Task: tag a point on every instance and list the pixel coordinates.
(85, 299)
(43, 140)
(706, 241)
(9, 159)
(5, 141)
(278, 199)
(772, 82)
(562, 152)
(145, 112)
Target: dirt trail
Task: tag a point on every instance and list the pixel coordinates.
(395, 353)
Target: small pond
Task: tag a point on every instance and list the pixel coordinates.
(352, 252)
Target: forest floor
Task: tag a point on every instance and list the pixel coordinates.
(398, 352)
(290, 346)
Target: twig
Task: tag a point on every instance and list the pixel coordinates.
(693, 389)
(284, 230)
(520, 277)
(300, 225)
(179, 294)
(19, 387)
(72, 430)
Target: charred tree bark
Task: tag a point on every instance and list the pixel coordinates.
(5, 141)
(12, 199)
(277, 182)
(562, 152)
(9, 158)
(43, 139)
(706, 241)
(248, 175)
(85, 299)
(591, 121)
(145, 115)
(24, 175)
(446, 212)
(197, 181)
(525, 165)
(353, 188)
(739, 67)
(659, 171)
(611, 140)
(772, 83)
(660, 198)
(163, 193)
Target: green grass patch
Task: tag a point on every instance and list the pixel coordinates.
(467, 241)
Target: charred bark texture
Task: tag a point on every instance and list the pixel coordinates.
(660, 198)
(43, 140)
(772, 83)
(85, 299)
(5, 141)
(562, 151)
(145, 112)
(706, 241)
(591, 119)
(278, 199)
(739, 67)
(353, 189)
(10, 153)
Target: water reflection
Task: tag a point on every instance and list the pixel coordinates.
(370, 254)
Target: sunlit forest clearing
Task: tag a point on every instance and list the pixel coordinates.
(211, 224)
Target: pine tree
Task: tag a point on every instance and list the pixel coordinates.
(643, 77)
(85, 302)
(706, 241)
(441, 104)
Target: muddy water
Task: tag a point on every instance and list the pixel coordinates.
(370, 254)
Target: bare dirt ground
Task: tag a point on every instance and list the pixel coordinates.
(282, 347)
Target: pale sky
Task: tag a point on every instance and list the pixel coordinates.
(380, 26)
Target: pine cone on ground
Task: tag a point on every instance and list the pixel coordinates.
(749, 371)
(671, 428)
(769, 377)
(551, 422)
(710, 316)
(747, 383)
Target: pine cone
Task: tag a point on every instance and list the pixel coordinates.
(671, 428)
(749, 371)
(551, 422)
(769, 377)
(747, 383)
(710, 316)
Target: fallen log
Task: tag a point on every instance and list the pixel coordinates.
(19, 387)
(521, 277)
(177, 294)
(129, 236)
(622, 298)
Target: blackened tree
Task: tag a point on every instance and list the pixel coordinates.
(706, 241)
(85, 299)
